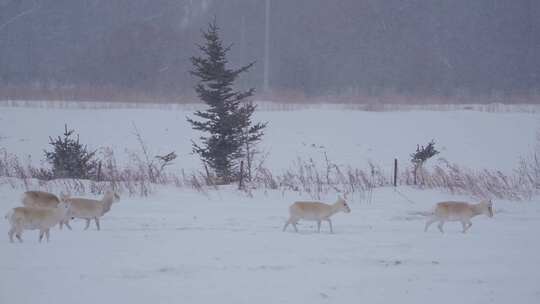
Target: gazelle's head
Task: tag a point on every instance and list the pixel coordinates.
(64, 207)
(115, 197)
(342, 205)
(487, 207)
(64, 197)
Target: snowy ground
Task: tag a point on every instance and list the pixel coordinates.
(178, 246)
(182, 247)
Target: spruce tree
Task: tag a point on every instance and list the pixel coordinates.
(227, 121)
(69, 158)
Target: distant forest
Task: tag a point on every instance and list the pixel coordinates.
(316, 47)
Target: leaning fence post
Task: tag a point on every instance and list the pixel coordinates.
(208, 177)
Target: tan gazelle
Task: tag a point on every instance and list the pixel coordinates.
(30, 218)
(89, 209)
(315, 211)
(458, 212)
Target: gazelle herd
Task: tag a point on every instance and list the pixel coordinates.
(42, 211)
(443, 212)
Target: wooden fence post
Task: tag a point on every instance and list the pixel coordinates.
(395, 172)
(99, 172)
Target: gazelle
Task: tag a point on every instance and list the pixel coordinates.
(29, 218)
(315, 211)
(41, 199)
(458, 211)
(89, 209)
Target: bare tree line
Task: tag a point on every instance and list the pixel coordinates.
(310, 48)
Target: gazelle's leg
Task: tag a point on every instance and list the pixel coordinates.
(286, 224)
(10, 233)
(330, 224)
(319, 226)
(96, 219)
(469, 224)
(87, 224)
(47, 234)
(294, 225)
(18, 233)
(440, 226)
(41, 233)
(430, 221)
(464, 225)
(66, 222)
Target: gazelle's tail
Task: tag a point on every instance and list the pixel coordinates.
(8, 215)
(422, 213)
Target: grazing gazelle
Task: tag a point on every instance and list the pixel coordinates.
(315, 211)
(458, 211)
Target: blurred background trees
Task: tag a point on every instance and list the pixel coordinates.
(316, 47)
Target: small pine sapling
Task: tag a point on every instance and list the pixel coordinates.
(69, 158)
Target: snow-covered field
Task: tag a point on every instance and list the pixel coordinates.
(472, 139)
(180, 246)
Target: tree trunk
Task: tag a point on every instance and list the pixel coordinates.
(241, 180)
(248, 160)
(266, 75)
(415, 172)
